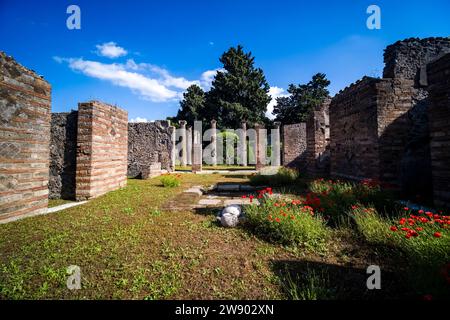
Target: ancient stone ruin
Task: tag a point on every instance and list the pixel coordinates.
(393, 129)
(149, 148)
(439, 115)
(88, 151)
(25, 102)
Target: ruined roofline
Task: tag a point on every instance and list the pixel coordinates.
(419, 40)
(10, 59)
(352, 85)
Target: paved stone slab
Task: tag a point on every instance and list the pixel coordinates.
(196, 189)
(228, 187)
(210, 202)
(230, 202)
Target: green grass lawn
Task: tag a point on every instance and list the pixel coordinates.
(129, 248)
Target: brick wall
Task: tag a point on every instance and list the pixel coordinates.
(294, 145)
(370, 128)
(101, 149)
(63, 155)
(353, 132)
(439, 89)
(318, 141)
(149, 143)
(24, 140)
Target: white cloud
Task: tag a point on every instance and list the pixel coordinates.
(110, 50)
(149, 81)
(275, 92)
(207, 78)
(148, 88)
(139, 119)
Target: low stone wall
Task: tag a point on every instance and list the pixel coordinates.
(25, 101)
(294, 145)
(101, 149)
(63, 155)
(149, 143)
(439, 89)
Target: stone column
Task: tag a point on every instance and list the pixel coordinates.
(183, 161)
(173, 154)
(189, 145)
(197, 156)
(243, 144)
(260, 147)
(214, 142)
(275, 143)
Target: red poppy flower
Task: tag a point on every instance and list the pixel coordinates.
(437, 235)
(406, 208)
(277, 220)
(244, 197)
(394, 228)
(428, 297)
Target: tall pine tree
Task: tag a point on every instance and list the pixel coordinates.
(239, 93)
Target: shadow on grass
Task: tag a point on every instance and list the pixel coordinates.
(310, 280)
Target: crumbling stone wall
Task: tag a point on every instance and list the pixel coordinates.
(369, 129)
(407, 59)
(102, 143)
(392, 115)
(24, 140)
(439, 89)
(318, 141)
(294, 145)
(63, 155)
(149, 143)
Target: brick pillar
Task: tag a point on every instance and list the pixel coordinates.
(183, 143)
(318, 140)
(275, 142)
(260, 147)
(25, 100)
(243, 145)
(214, 142)
(197, 156)
(102, 149)
(189, 145)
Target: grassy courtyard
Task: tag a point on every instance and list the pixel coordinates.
(128, 247)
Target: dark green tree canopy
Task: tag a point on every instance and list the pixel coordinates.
(238, 93)
(192, 106)
(302, 99)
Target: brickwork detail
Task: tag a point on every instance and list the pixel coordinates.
(101, 149)
(439, 89)
(318, 141)
(294, 145)
(25, 101)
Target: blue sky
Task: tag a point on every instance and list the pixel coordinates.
(141, 55)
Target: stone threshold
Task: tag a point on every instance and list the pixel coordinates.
(44, 212)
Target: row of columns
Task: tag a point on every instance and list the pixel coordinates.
(191, 146)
